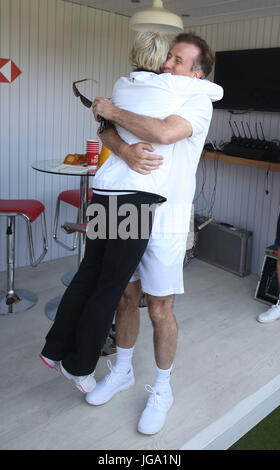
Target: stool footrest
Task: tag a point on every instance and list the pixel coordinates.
(71, 227)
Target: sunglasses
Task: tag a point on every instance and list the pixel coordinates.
(84, 100)
(104, 124)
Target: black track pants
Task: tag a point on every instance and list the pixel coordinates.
(86, 311)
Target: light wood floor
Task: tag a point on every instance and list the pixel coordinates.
(223, 356)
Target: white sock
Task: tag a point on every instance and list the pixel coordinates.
(124, 359)
(162, 382)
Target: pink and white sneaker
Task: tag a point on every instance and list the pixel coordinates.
(85, 383)
(49, 362)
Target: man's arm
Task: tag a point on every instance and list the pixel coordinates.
(134, 155)
(161, 131)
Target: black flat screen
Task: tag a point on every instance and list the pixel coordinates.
(250, 78)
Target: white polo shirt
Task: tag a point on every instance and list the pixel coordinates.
(160, 96)
(174, 215)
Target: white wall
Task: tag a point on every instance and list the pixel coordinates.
(54, 43)
(240, 191)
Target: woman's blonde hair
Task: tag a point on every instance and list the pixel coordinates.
(149, 51)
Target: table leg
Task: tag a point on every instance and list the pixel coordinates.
(83, 216)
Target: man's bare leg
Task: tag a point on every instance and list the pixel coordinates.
(127, 316)
(121, 375)
(165, 341)
(165, 329)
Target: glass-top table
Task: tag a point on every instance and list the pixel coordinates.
(57, 167)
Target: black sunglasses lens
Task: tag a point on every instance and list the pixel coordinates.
(85, 101)
(101, 127)
(75, 90)
(104, 124)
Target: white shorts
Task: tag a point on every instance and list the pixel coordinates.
(161, 267)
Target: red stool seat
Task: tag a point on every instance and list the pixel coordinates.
(72, 196)
(29, 207)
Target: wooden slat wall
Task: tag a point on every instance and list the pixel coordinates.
(241, 197)
(53, 42)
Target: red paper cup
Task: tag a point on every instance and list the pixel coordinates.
(92, 152)
(92, 158)
(92, 145)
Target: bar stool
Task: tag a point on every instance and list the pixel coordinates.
(71, 197)
(30, 210)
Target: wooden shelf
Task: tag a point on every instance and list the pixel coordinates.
(221, 157)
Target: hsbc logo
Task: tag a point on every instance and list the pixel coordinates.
(8, 71)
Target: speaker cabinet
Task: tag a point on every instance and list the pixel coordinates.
(267, 289)
(224, 246)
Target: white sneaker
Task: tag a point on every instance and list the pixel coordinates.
(49, 362)
(111, 384)
(84, 383)
(270, 315)
(154, 415)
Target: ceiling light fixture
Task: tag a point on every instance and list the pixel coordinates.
(157, 19)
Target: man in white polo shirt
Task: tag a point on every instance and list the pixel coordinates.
(159, 273)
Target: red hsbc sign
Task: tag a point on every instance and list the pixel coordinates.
(8, 71)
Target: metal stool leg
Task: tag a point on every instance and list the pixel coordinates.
(11, 301)
(66, 278)
(75, 242)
